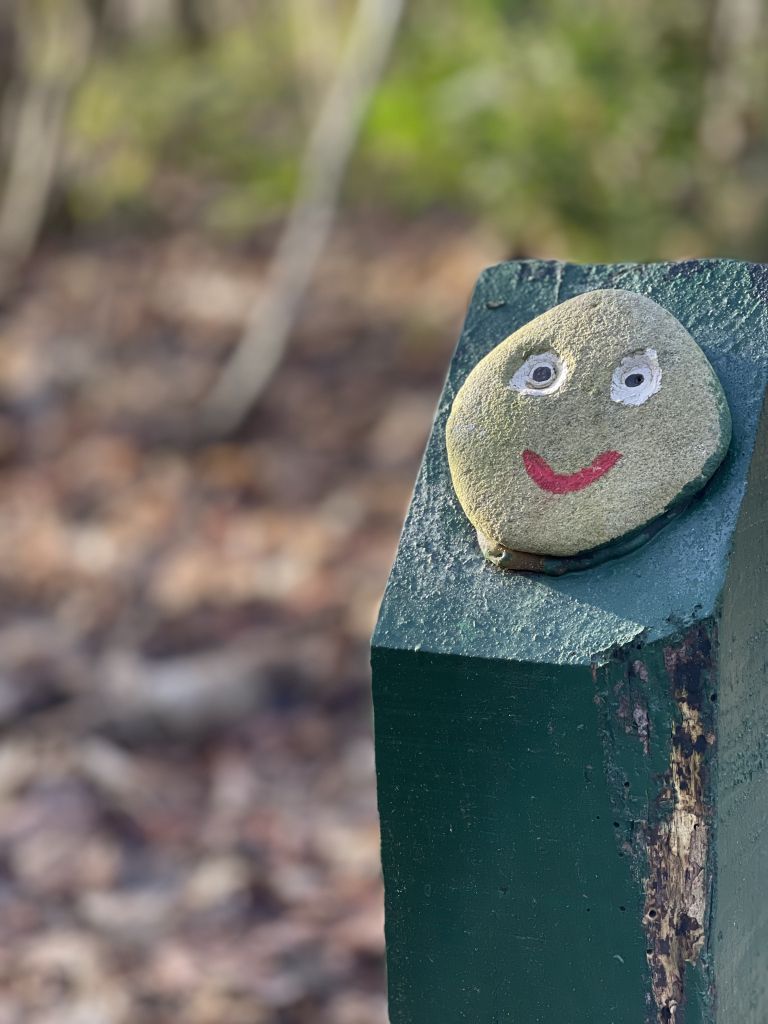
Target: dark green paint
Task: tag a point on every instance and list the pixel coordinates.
(505, 873)
(526, 725)
(740, 920)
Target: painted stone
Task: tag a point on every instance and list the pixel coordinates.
(584, 431)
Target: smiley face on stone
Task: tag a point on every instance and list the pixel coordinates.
(597, 418)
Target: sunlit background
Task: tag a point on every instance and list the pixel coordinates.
(236, 241)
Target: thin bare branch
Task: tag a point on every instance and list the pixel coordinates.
(55, 42)
(329, 148)
(315, 29)
(736, 46)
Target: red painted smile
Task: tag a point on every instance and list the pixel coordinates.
(541, 472)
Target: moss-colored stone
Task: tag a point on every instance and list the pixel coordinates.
(587, 423)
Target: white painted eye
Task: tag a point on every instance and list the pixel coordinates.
(540, 374)
(636, 378)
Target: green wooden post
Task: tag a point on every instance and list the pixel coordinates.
(573, 771)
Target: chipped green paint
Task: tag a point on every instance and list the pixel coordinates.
(573, 771)
(659, 734)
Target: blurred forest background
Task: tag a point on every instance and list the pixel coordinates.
(187, 810)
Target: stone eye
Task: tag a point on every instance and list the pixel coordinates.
(540, 374)
(636, 378)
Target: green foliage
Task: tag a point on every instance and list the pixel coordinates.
(568, 129)
(574, 129)
(220, 124)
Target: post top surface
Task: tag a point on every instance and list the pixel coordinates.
(443, 596)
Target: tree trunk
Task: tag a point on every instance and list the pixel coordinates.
(329, 148)
(53, 41)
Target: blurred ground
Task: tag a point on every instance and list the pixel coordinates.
(187, 811)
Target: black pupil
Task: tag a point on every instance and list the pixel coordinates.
(634, 380)
(542, 374)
